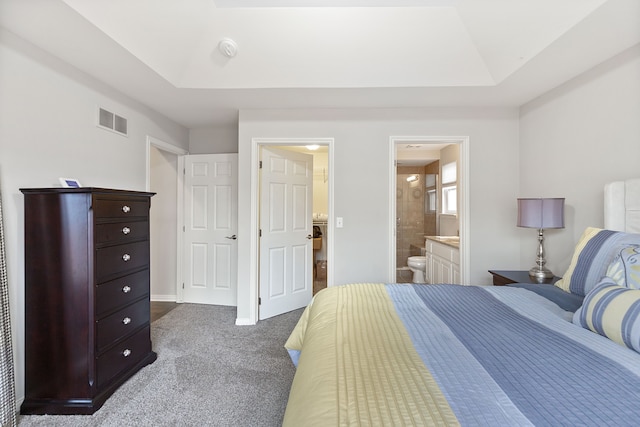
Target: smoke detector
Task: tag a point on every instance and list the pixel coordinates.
(228, 47)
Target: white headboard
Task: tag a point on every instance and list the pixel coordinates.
(622, 206)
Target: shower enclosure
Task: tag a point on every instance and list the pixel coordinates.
(416, 207)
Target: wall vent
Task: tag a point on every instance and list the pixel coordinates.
(113, 122)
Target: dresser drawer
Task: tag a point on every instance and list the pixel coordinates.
(121, 323)
(121, 231)
(123, 356)
(121, 291)
(116, 259)
(116, 208)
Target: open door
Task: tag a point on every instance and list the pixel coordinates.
(210, 232)
(286, 231)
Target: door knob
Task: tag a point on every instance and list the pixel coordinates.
(234, 237)
(309, 237)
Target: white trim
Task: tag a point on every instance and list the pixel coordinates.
(180, 227)
(253, 235)
(245, 321)
(464, 213)
(165, 146)
(163, 298)
(463, 209)
(161, 145)
(393, 172)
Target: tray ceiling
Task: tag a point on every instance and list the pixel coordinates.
(299, 54)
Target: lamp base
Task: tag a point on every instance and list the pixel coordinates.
(540, 274)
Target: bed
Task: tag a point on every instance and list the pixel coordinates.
(405, 354)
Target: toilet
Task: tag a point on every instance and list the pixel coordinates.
(417, 264)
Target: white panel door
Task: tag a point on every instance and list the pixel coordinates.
(210, 232)
(286, 242)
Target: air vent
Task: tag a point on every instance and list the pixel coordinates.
(113, 122)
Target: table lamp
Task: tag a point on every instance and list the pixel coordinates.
(541, 214)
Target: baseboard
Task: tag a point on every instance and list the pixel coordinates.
(164, 298)
(244, 321)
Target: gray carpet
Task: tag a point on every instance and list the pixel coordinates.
(209, 372)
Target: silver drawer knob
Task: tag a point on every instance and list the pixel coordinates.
(126, 209)
(126, 289)
(126, 352)
(126, 257)
(126, 320)
(126, 230)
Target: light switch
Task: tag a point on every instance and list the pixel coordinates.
(339, 223)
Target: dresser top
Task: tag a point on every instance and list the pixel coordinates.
(93, 190)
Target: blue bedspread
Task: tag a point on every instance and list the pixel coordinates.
(504, 356)
(565, 300)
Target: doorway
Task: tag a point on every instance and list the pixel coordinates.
(325, 148)
(416, 209)
(420, 205)
(163, 163)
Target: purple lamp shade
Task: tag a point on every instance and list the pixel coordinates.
(541, 213)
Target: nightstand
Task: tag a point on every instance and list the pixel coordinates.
(505, 277)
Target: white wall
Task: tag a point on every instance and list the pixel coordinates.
(163, 222)
(574, 140)
(47, 130)
(213, 140)
(361, 169)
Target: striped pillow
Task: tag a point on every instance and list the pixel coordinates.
(591, 258)
(612, 311)
(625, 268)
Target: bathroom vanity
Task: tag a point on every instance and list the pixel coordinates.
(443, 259)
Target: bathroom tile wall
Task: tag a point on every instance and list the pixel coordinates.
(409, 214)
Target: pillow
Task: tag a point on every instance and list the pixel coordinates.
(591, 258)
(612, 311)
(625, 268)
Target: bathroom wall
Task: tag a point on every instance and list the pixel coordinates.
(449, 225)
(430, 217)
(409, 213)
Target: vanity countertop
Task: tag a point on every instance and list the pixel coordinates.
(453, 241)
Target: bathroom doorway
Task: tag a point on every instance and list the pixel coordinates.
(416, 212)
(426, 202)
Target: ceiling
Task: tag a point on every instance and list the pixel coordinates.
(294, 54)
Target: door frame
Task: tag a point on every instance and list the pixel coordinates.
(256, 144)
(180, 153)
(463, 211)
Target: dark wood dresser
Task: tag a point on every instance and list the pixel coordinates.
(86, 296)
